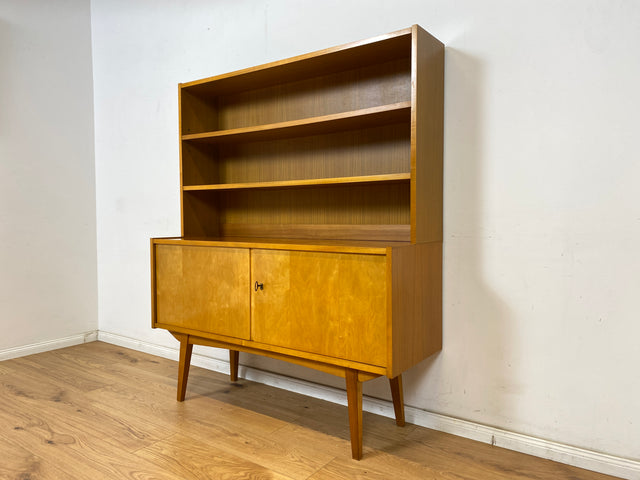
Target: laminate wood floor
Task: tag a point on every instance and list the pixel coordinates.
(98, 411)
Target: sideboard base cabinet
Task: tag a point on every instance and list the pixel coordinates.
(311, 215)
(358, 312)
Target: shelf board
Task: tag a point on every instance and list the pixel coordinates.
(376, 247)
(344, 57)
(391, 177)
(367, 117)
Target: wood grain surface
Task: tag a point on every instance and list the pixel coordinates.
(327, 303)
(100, 411)
(204, 289)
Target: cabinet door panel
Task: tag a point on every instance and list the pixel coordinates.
(203, 288)
(325, 303)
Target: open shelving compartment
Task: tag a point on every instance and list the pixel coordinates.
(317, 146)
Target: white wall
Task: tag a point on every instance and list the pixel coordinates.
(48, 279)
(542, 205)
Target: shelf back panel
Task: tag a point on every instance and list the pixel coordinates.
(205, 212)
(324, 94)
(372, 151)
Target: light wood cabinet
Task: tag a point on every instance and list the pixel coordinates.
(311, 207)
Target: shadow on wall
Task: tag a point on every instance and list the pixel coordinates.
(467, 378)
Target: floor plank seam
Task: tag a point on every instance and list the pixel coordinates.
(132, 425)
(333, 459)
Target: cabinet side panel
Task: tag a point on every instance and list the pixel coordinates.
(197, 113)
(180, 143)
(201, 214)
(416, 279)
(427, 131)
(203, 288)
(153, 284)
(199, 164)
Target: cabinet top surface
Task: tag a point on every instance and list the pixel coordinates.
(350, 55)
(340, 246)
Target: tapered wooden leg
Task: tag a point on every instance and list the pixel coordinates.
(354, 399)
(183, 366)
(233, 365)
(398, 399)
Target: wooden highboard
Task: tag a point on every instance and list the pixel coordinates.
(311, 208)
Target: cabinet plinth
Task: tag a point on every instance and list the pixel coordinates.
(311, 208)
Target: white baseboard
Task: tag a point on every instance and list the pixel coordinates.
(40, 347)
(578, 457)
